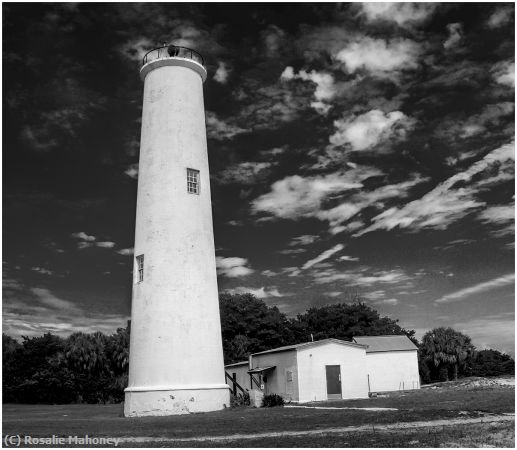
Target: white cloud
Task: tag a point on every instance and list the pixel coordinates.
(87, 241)
(42, 270)
(323, 256)
(261, 293)
(501, 16)
(126, 251)
(380, 58)
(504, 73)
(304, 239)
(135, 49)
(341, 213)
(222, 73)
(462, 294)
(404, 14)
(325, 86)
(348, 258)
(447, 202)
(219, 129)
(132, 171)
(233, 267)
(361, 277)
(105, 244)
(243, 173)
(50, 300)
(295, 196)
(502, 216)
(31, 312)
(455, 35)
(495, 331)
(83, 236)
(370, 129)
(490, 115)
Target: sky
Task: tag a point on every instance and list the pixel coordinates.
(354, 149)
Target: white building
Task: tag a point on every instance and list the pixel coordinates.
(392, 363)
(176, 356)
(330, 369)
(312, 371)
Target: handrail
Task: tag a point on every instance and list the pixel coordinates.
(172, 51)
(235, 384)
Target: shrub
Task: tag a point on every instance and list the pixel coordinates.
(239, 400)
(271, 400)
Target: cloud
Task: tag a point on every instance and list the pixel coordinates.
(86, 241)
(42, 270)
(83, 236)
(323, 256)
(339, 214)
(496, 331)
(348, 258)
(448, 201)
(405, 15)
(222, 73)
(132, 171)
(502, 216)
(325, 87)
(105, 244)
(370, 129)
(244, 173)
(500, 17)
(34, 311)
(304, 239)
(380, 58)
(261, 293)
(135, 49)
(463, 294)
(455, 35)
(504, 73)
(50, 300)
(126, 251)
(364, 276)
(296, 196)
(219, 129)
(233, 267)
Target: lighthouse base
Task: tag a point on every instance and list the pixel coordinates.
(161, 401)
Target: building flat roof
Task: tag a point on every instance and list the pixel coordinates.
(310, 344)
(386, 343)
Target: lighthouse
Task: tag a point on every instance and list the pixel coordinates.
(175, 356)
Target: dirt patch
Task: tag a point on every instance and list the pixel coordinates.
(473, 382)
(320, 431)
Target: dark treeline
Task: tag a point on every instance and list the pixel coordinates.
(92, 368)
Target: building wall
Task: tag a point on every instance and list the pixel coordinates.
(278, 381)
(241, 372)
(393, 371)
(312, 378)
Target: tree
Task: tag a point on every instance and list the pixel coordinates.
(446, 352)
(344, 321)
(487, 363)
(248, 325)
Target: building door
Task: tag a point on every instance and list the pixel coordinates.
(333, 382)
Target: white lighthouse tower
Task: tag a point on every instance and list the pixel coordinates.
(176, 358)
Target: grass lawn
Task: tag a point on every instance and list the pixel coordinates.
(422, 405)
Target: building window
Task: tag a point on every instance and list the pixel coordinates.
(289, 375)
(192, 181)
(140, 267)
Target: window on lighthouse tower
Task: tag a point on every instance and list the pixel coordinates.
(192, 181)
(140, 267)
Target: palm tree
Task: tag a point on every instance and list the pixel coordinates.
(446, 350)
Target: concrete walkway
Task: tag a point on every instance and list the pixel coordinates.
(336, 430)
